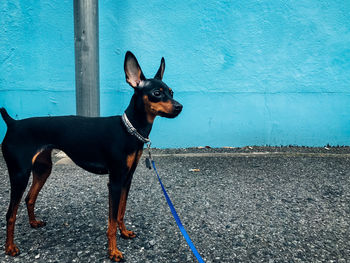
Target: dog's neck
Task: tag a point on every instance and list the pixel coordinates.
(138, 117)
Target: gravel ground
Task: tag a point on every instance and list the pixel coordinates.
(254, 204)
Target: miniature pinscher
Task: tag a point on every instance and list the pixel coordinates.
(101, 145)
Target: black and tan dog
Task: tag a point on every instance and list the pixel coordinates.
(102, 145)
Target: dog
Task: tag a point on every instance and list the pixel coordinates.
(102, 145)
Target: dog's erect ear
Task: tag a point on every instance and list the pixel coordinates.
(133, 72)
(160, 72)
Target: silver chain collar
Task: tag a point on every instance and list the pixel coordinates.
(132, 130)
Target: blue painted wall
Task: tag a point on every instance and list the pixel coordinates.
(248, 72)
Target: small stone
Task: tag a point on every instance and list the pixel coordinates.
(152, 242)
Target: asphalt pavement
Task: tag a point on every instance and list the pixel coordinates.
(252, 204)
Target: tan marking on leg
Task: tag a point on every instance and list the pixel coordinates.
(35, 156)
(139, 154)
(113, 252)
(137, 159)
(130, 160)
(43, 157)
(123, 198)
(121, 212)
(10, 247)
(38, 183)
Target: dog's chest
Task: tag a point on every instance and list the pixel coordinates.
(132, 159)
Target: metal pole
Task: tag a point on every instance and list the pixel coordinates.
(87, 77)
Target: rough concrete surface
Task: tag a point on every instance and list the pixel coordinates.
(265, 204)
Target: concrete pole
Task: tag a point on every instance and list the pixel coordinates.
(87, 75)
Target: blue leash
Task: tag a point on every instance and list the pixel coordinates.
(177, 219)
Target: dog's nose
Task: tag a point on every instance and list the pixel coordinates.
(178, 107)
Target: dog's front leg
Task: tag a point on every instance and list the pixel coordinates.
(115, 189)
(127, 234)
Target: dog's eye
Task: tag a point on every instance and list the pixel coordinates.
(156, 93)
(171, 93)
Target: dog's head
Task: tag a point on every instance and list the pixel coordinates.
(156, 96)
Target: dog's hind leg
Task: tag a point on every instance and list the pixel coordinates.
(42, 166)
(19, 181)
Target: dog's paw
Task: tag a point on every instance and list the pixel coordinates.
(12, 250)
(37, 224)
(115, 255)
(127, 234)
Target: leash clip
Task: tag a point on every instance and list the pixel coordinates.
(149, 158)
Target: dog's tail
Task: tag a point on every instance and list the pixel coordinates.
(7, 118)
